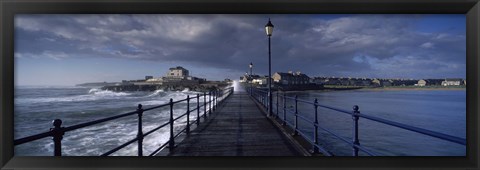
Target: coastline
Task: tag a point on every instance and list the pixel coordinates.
(413, 88)
(389, 89)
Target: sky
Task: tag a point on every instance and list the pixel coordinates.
(69, 49)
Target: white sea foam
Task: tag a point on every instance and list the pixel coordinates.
(98, 139)
(164, 99)
(155, 93)
(88, 142)
(99, 92)
(49, 87)
(93, 94)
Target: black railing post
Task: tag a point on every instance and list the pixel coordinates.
(213, 98)
(315, 128)
(205, 105)
(263, 100)
(296, 116)
(172, 139)
(355, 129)
(260, 97)
(284, 109)
(140, 133)
(198, 109)
(277, 103)
(210, 102)
(57, 136)
(188, 114)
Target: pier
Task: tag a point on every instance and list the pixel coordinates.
(237, 128)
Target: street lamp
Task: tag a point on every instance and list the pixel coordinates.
(269, 30)
(251, 84)
(251, 66)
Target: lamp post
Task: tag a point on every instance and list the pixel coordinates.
(251, 66)
(251, 84)
(269, 30)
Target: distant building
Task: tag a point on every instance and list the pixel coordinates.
(260, 80)
(387, 82)
(364, 82)
(421, 83)
(177, 73)
(291, 78)
(377, 82)
(248, 78)
(319, 80)
(452, 82)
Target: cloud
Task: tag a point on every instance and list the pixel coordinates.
(354, 45)
(45, 54)
(427, 45)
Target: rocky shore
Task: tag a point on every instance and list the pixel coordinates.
(132, 87)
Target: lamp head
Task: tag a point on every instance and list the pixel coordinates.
(269, 28)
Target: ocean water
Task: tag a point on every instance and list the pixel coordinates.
(438, 110)
(442, 111)
(36, 107)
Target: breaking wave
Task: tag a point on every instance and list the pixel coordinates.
(93, 94)
(155, 93)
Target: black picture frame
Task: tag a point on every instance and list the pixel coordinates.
(8, 8)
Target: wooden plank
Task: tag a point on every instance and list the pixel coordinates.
(237, 128)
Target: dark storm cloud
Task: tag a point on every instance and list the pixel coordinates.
(358, 45)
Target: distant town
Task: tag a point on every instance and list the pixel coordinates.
(300, 81)
(179, 78)
(176, 78)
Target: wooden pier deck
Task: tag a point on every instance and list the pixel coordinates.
(237, 128)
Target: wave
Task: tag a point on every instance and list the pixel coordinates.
(118, 134)
(93, 94)
(106, 93)
(166, 98)
(155, 93)
(48, 87)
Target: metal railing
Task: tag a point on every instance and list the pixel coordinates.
(215, 98)
(354, 142)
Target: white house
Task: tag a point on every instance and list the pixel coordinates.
(452, 82)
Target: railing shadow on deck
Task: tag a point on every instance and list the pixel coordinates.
(261, 96)
(215, 98)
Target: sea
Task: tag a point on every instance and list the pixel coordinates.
(35, 107)
(438, 110)
(441, 111)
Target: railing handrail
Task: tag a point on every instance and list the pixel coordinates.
(57, 122)
(355, 114)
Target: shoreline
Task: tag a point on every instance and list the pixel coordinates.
(414, 88)
(387, 89)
